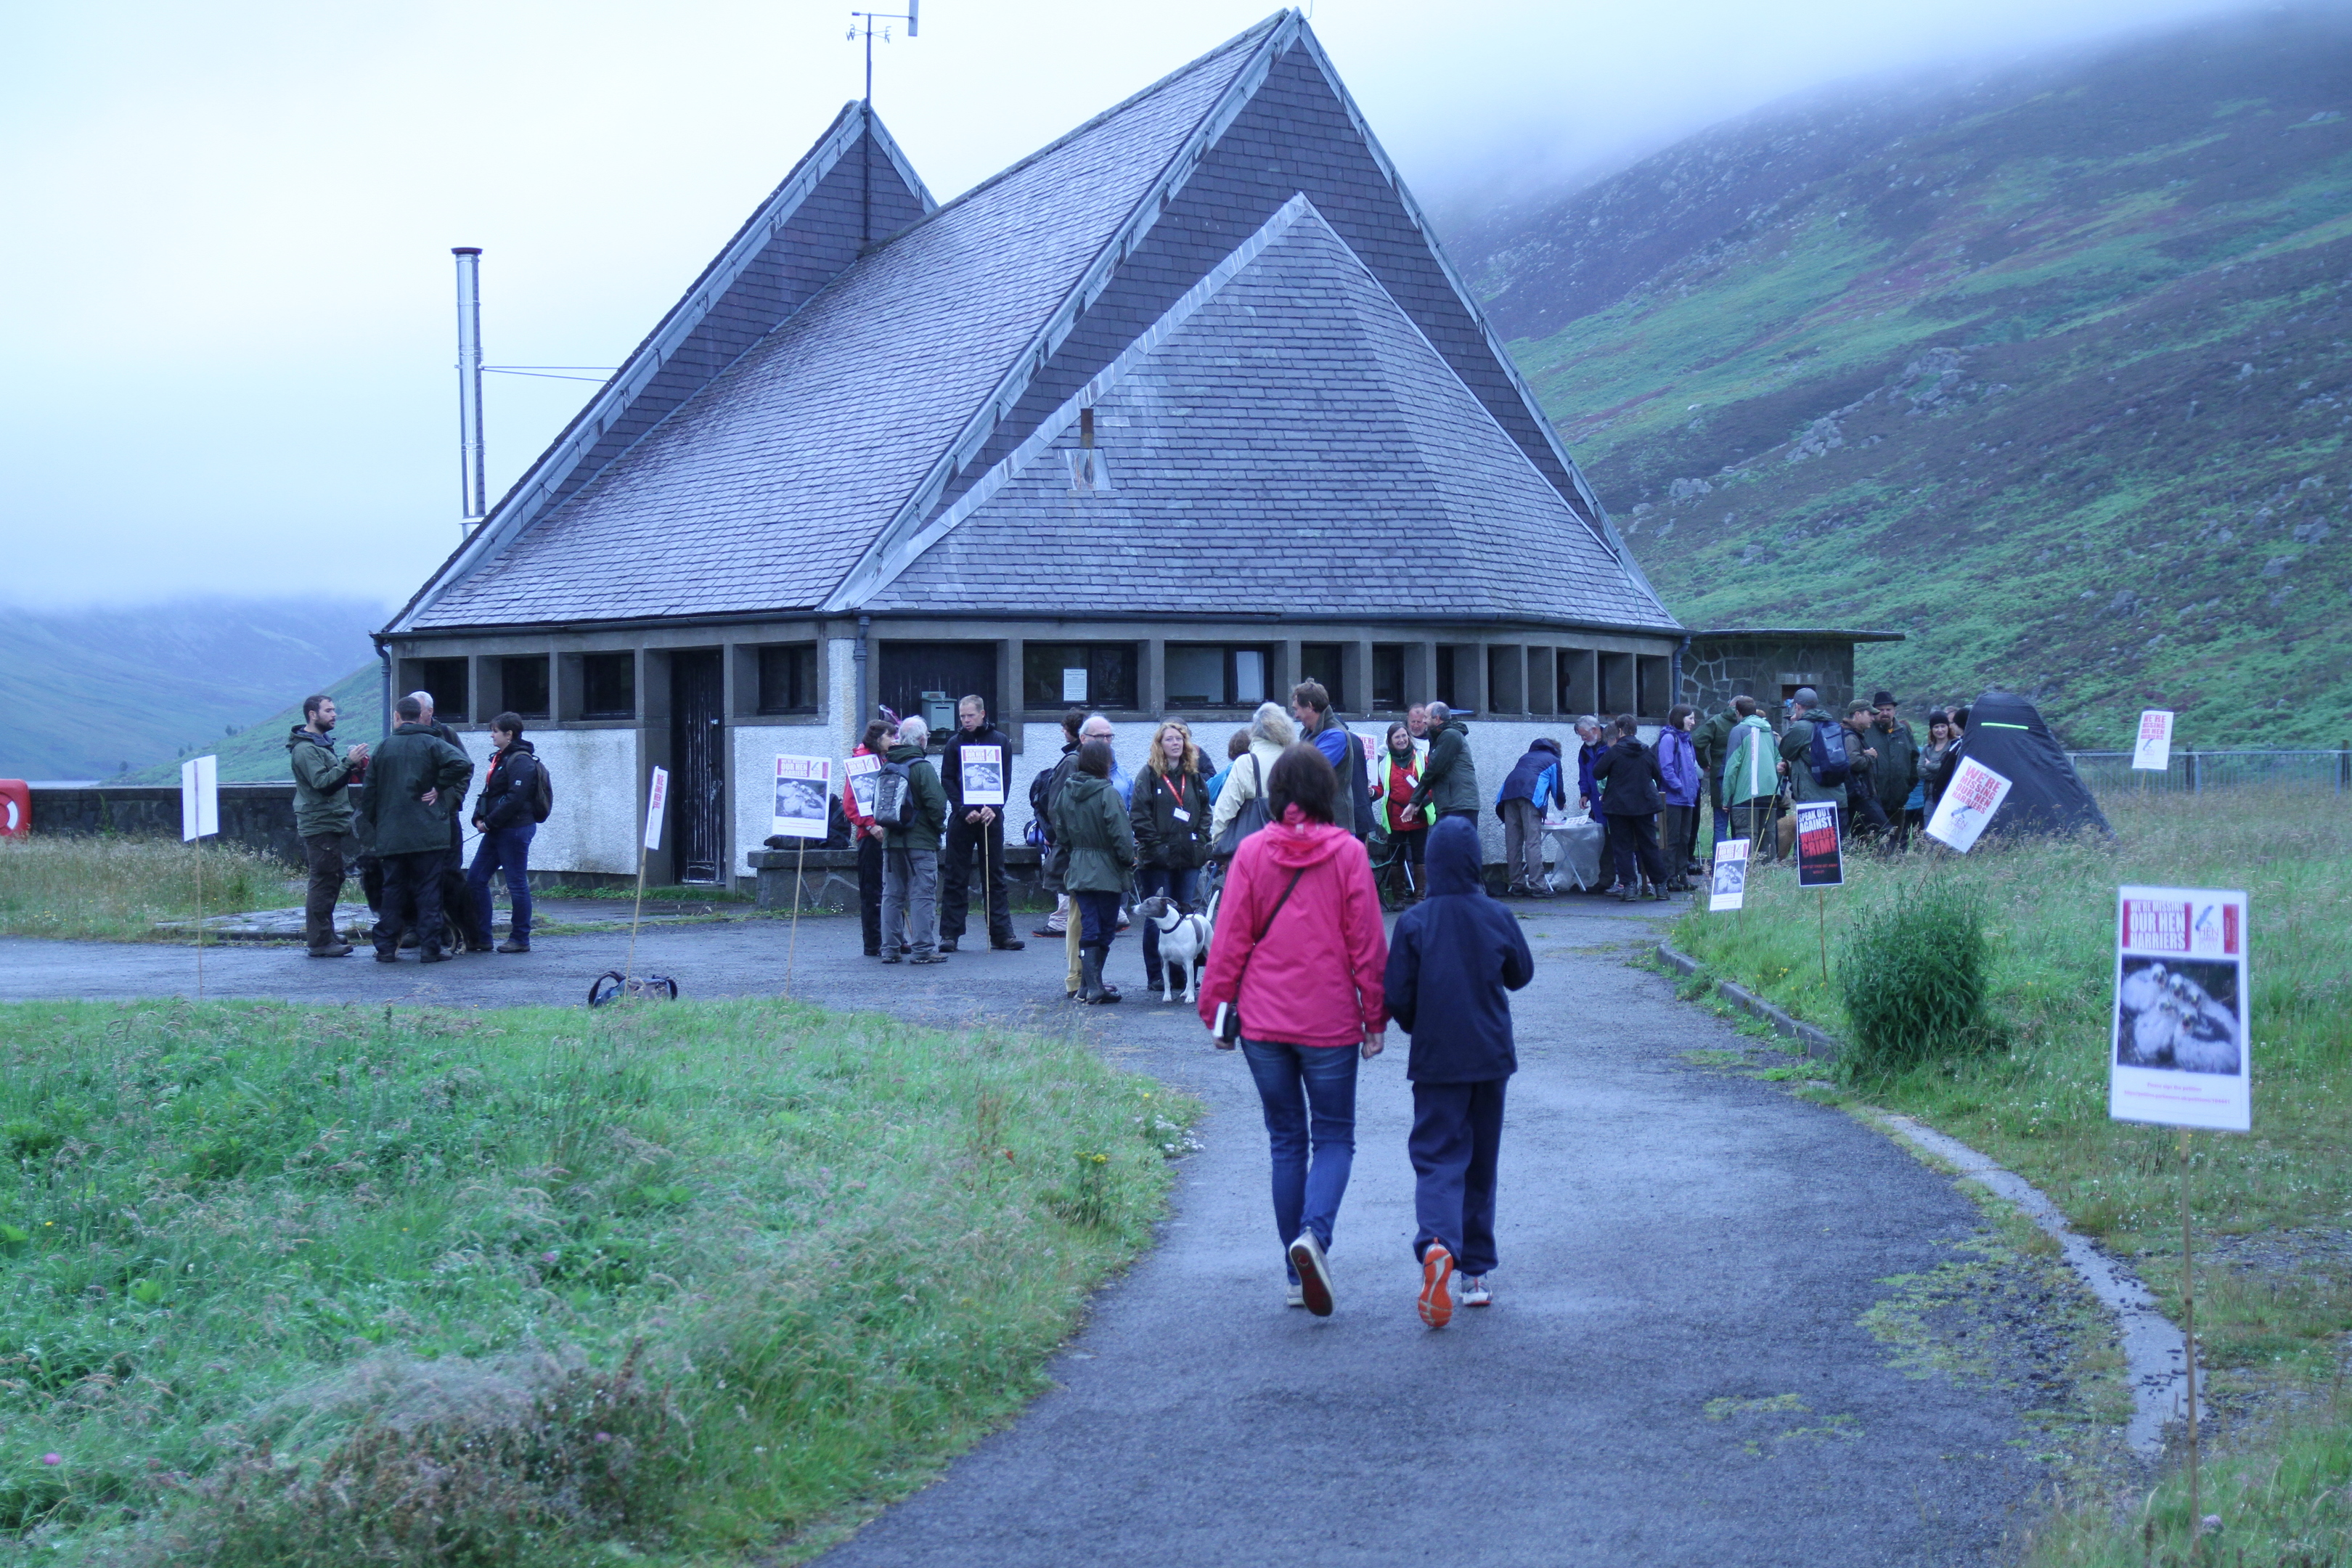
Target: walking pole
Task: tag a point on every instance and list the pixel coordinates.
(792, 946)
(2188, 1343)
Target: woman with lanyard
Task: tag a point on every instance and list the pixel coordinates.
(1171, 818)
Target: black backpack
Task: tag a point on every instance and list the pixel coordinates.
(1828, 758)
(542, 791)
(894, 789)
(1041, 789)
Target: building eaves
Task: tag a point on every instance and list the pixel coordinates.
(1819, 634)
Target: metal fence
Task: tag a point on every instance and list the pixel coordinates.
(2193, 773)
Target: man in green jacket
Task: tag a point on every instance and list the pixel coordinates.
(1449, 779)
(415, 785)
(1897, 771)
(322, 815)
(911, 852)
(1805, 710)
(1711, 742)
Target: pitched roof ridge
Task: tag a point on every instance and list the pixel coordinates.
(1130, 101)
(558, 459)
(1265, 40)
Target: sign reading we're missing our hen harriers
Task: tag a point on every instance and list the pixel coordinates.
(2179, 1051)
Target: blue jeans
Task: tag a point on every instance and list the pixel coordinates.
(1457, 1134)
(507, 849)
(1183, 887)
(1309, 1096)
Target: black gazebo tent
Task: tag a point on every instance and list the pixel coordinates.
(2006, 734)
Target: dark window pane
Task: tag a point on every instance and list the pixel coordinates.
(1218, 674)
(608, 685)
(1319, 661)
(956, 669)
(788, 678)
(1085, 675)
(522, 685)
(1388, 678)
(443, 679)
(1447, 692)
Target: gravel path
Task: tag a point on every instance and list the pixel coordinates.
(1673, 1372)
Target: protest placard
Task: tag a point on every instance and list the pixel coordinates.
(2153, 749)
(861, 772)
(656, 796)
(1821, 860)
(1969, 801)
(2182, 1008)
(804, 798)
(199, 798)
(983, 774)
(1727, 887)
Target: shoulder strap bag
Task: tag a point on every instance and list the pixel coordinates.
(1229, 1013)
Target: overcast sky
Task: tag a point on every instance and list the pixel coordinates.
(230, 348)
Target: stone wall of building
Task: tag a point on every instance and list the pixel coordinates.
(1716, 670)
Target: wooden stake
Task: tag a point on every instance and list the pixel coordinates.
(2188, 1343)
(1822, 895)
(988, 883)
(629, 965)
(792, 946)
(200, 920)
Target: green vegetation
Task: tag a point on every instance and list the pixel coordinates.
(118, 888)
(255, 752)
(2047, 374)
(1911, 978)
(2275, 1288)
(666, 1283)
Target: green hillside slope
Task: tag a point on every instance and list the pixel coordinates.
(2047, 372)
(94, 693)
(256, 752)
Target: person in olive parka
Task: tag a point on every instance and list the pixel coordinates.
(415, 783)
(1093, 829)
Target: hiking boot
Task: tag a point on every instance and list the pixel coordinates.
(386, 955)
(892, 955)
(948, 944)
(1314, 1273)
(1476, 1292)
(515, 945)
(433, 955)
(1437, 1270)
(340, 949)
(1007, 944)
(479, 947)
(934, 957)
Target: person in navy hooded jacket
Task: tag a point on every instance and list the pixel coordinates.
(1468, 950)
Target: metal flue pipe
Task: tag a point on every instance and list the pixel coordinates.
(475, 500)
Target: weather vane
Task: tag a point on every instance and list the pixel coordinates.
(862, 25)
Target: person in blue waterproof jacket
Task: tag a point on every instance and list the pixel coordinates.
(1468, 952)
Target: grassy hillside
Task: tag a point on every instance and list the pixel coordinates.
(2046, 370)
(256, 752)
(96, 693)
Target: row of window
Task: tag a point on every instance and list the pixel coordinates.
(917, 677)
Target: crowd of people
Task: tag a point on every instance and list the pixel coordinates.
(409, 823)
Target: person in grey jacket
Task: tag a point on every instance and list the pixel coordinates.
(911, 853)
(322, 815)
(415, 784)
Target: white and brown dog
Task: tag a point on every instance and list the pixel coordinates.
(1184, 946)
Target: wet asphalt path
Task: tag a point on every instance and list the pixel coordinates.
(1672, 1372)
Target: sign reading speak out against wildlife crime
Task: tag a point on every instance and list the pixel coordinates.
(1727, 887)
(2178, 1054)
(1821, 860)
(2153, 749)
(803, 797)
(1969, 801)
(983, 774)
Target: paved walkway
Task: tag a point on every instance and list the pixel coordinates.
(1673, 1372)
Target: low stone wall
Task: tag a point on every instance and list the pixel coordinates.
(258, 816)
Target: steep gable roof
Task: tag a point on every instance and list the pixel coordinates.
(790, 479)
(1285, 430)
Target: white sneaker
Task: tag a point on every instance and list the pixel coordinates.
(1476, 1292)
(1314, 1274)
(1297, 1297)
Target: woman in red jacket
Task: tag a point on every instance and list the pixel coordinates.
(1299, 951)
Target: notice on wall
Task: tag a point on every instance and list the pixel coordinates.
(861, 772)
(1726, 888)
(2182, 1009)
(656, 798)
(2153, 749)
(983, 774)
(1969, 801)
(803, 797)
(1821, 858)
(199, 798)
(1073, 686)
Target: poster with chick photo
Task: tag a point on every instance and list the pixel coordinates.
(2183, 1006)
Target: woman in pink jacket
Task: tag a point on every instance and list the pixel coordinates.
(1299, 951)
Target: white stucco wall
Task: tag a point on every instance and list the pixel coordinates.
(752, 787)
(595, 824)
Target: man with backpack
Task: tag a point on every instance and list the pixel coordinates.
(1041, 789)
(516, 798)
(1813, 749)
(911, 809)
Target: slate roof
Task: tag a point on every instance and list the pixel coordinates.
(1285, 437)
(787, 467)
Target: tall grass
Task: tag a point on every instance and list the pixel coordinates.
(2040, 1106)
(1911, 978)
(290, 1286)
(119, 888)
